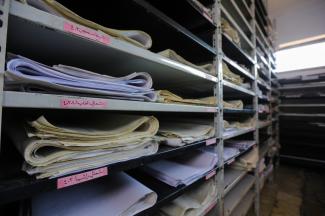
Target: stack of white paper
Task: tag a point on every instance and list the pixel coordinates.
(184, 169)
(56, 146)
(229, 153)
(241, 145)
(116, 195)
(25, 72)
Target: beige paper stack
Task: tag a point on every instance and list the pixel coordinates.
(61, 146)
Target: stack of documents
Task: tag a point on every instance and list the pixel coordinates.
(193, 202)
(56, 146)
(25, 72)
(230, 76)
(135, 37)
(248, 161)
(229, 153)
(230, 31)
(263, 108)
(184, 169)
(241, 145)
(115, 195)
(171, 54)
(165, 96)
(233, 104)
(176, 133)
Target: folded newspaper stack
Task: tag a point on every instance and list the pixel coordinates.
(60, 78)
(56, 146)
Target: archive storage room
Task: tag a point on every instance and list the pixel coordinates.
(162, 108)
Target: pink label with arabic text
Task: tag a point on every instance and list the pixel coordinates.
(210, 141)
(211, 174)
(82, 103)
(86, 32)
(81, 177)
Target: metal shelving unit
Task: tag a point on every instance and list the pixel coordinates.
(198, 38)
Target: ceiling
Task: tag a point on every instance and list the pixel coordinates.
(297, 19)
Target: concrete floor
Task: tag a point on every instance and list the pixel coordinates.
(294, 192)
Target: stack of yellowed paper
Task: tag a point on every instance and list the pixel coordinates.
(56, 146)
(135, 37)
(165, 96)
(194, 202)
(230, 31)
(230, 76)
(171, 54)
(249, 123)
(178, 133)
(247, 161)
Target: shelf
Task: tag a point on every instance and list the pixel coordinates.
(237, 27)
(238, 133)
(303, 86)
(302, 105)
(244, 206)
(95, 56)
(239, 111)
(236, 195)
(54, 101)
(231, 178)
(25, 186)
(165, 192)
(233, 51)
(263, 84)
(315, 115)
(238, 68)
(233, 89)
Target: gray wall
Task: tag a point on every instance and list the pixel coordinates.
(297, 19)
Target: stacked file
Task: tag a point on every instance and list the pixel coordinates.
(135, 37)
(229, 153)
(248, 161)
(116, 195)
(183, 170)
(231, 127)
(263, 108)
(25, 73)
(55, 146)
(194, 202)
(230, 31)
(230, 76)
(165, 96)
(178, 133)
(171, 54)
(241, 145)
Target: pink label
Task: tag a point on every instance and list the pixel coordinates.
(210, 207)
(86, 32)
(211, 174)
(210, 141)
(81, 177)
(231, 161)
(211, 109)
(82, 103)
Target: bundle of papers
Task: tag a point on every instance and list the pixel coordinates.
(233, 104)
(230, 31)
(249, 123)
(135, 37)
(22, 71)
(230, 76)
(248, 161)
(229, 153)
(171, 54)
(174, 133)
(165, 96)
(60, 146)
(183, 170)
(115, 195)
(193, 202)
(241, 145)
